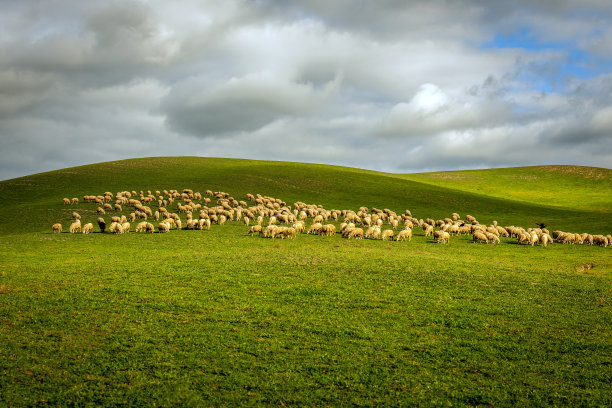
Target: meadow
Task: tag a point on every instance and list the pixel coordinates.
(220, 318)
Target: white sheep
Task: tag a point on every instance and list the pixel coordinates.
(87, 228)
(75, 226)
(57, 228)
(403, 234)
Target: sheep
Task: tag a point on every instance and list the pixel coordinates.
(387, 234)
(288, 232)
(403, 234)
(74, 201)
(114, 228)
(179, 224)
(75, 226)
(356, 233)
(299, 227)
(480, 237)
(76, 216)
(149, 228)
(163, 227)
(101, 224)
(600, 240)
(255, 229)
(205, 223)
(492, 237)
(246, 220)
(315, 229)
(533, 238)
(142, 226)
(545, 239)
(57, 228)
(428, 229)
(87, 228)
(270, 231)
(328, 230)
(441, 237)
(100, 211)
(65, 201)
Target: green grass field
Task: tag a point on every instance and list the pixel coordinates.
(220, 318)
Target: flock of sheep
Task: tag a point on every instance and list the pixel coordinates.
(274, 219)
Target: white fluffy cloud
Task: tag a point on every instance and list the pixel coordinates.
(385, 85)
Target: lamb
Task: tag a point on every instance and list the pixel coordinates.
(57, 228)
(75, 226)
(387, 234)
(88, 228)
(403, 234)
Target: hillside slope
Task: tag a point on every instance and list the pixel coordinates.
(577, 187)
(36, 200)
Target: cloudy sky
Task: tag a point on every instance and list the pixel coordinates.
(392, 85)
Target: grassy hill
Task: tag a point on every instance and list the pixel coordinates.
(511, 196)
(220, 318)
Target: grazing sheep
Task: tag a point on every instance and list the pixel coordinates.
(76, 216)
(270, 231)
(87, 228)
(142, 226)
(255, 229)
(75, 226)
(533, 238)
(356, 233)
(315, 229)
(101, 211)
(57, 228)
(150, 228)
(101, 224)
(65, 201)
(480, 237)
(428, 229)
(403, 234)
(246, 221)
(114, 228)
(387, 234)
(328, 230)
(299, 227)
(441, 237)
(545, 239)
(163, 227)
(74, 201)
(492, 237)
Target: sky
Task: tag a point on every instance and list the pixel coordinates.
(391, 85)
